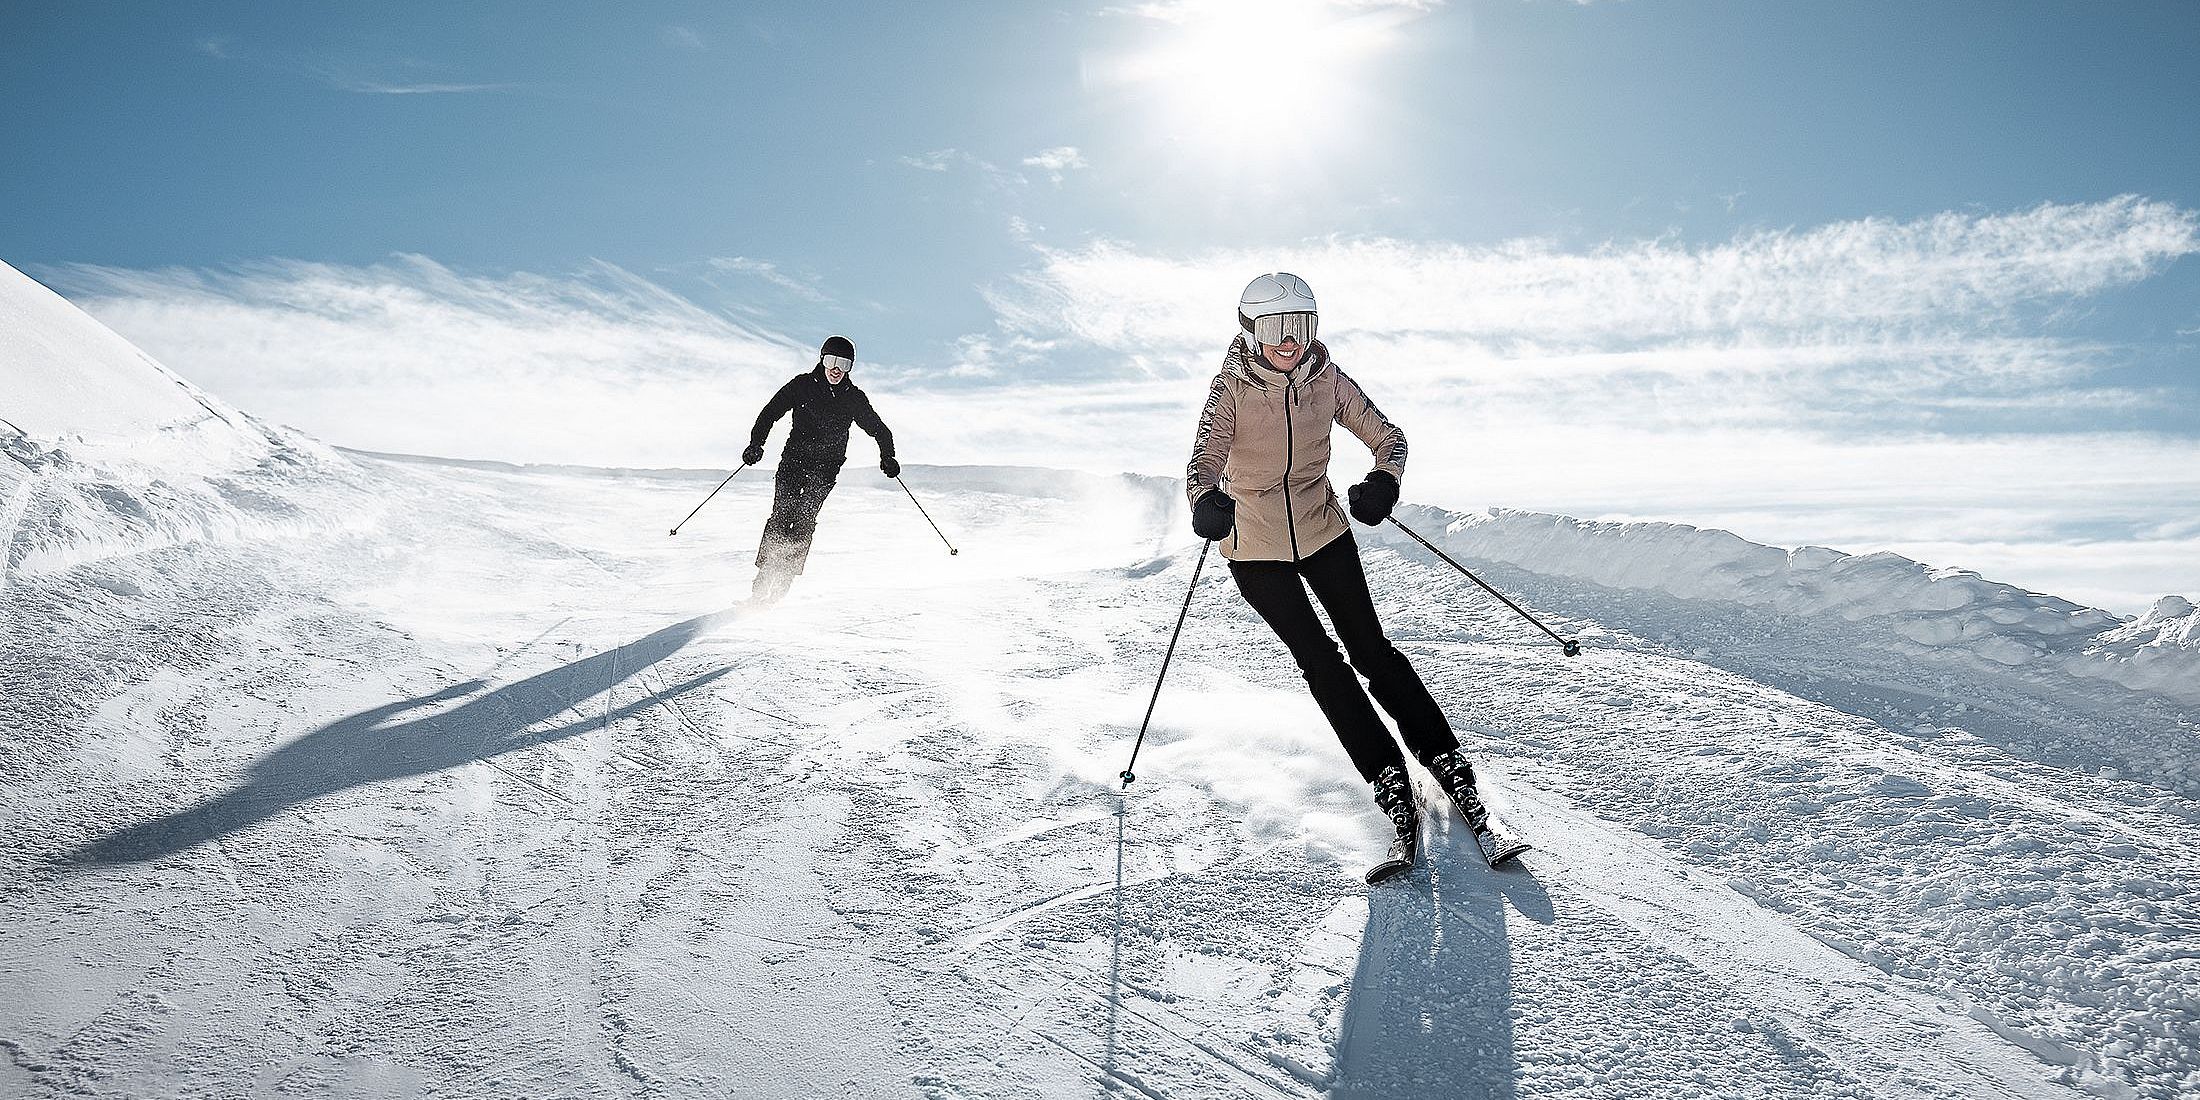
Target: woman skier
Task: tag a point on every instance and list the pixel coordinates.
(824, 404)
(1259, 481)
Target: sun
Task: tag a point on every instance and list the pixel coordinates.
(1252, 77)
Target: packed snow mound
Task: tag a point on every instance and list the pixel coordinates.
(65, 377)
(1913, 606)
(105, 453)
(2159, 651)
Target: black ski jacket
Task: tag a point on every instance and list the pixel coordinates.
(822, 413)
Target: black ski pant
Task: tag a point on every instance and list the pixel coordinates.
(799, 492)
(1335, 575)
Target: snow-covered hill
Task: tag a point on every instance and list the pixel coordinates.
(347, 774)
(106, 454)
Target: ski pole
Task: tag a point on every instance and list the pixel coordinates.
(706, 500)
(951, 551)
(1128, 777)
(1566, 645)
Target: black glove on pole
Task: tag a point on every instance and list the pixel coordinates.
(1566, 645)
(1128, 777)
(889, 467)
(1214, 515)
(753, 454)
(745, 464)
(1371, 500)
(951, 551)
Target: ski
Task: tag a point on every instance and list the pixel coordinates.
(1498, 848)
(1496, 843)
(1388, 869)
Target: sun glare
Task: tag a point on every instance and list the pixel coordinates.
(1251, 76)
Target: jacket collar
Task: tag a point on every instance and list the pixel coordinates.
(847, 381)
(1239, 361)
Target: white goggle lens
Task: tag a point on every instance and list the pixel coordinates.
(839, 363)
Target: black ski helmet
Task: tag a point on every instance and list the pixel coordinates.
(837, 345)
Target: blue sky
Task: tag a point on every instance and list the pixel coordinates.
(1753, 265)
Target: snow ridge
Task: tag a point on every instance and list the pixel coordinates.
(1911, 607)
(66, 376)
(111, 454)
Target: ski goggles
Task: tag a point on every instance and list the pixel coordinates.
(1277, 327)
(838, 362)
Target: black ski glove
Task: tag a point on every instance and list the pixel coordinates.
(753, 455)
(889, 467)
(1373, 499)
(1213, 515)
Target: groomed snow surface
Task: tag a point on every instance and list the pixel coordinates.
(503, 792)
(336, 774)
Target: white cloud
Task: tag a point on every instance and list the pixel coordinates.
(770, 273)
(348, 75)
(1056, 161)
(1053, 161)
(938, 160)
(401, 76)
(410, 355)
(1862, 281)
(1867, 328)
(371, 87)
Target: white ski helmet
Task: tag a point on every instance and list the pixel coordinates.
(1274, 295)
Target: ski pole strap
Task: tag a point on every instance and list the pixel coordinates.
(1566, 645)
(706, 500)
(1128, 776)
(951, 551)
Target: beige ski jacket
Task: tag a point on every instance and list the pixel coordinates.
(1264, 439)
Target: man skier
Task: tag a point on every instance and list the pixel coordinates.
(1259, 481)
(824, 403)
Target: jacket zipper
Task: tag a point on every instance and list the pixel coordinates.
(1290, 459)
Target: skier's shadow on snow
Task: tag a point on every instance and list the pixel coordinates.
(378, 745)
(1429, 1012)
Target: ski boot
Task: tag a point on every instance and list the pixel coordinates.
(1395, 796)
(1456, 776)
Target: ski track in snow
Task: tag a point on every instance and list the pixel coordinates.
(502, 792)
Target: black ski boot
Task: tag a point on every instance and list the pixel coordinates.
(1395, 796)
(1456, 776)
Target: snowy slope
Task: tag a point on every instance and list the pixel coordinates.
(508, 796)
(104, 453)
(68, 376)
(466, 780)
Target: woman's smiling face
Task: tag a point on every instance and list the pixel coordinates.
(1283, 356)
